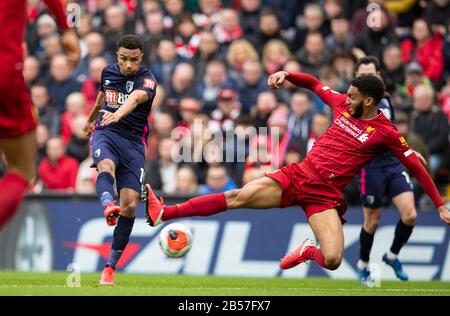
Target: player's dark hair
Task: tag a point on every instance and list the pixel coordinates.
(130, 41)
(369, 85)
(367, 61)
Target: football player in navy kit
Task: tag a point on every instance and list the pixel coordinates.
(119, 128)
(384, 176)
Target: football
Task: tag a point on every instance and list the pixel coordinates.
(175, 240)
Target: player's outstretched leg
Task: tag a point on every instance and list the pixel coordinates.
(371, 221)
(262, 194)
(327, 227)
(105, 191)
(20, 154)
(405, 204)
(128, 202)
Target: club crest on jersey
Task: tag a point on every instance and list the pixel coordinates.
(370, 129)
(129, 86)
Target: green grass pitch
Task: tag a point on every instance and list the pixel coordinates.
(17, 283)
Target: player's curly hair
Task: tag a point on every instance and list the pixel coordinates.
(369, 85)
(130, 41)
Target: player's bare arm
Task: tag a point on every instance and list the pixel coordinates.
(136, 97)
(69, 41)
(89, 126)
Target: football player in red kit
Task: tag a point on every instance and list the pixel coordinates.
(359, 133)
(17, 116)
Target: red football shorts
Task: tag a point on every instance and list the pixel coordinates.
(17, 114)
(303, 186)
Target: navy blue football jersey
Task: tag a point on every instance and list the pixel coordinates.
(387, 159)
(116, 89)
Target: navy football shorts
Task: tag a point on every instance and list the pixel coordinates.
(376, 183)
(128, 156)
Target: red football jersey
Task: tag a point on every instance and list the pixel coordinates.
(12, 27)
(350, 143)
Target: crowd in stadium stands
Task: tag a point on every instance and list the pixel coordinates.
(212, 58)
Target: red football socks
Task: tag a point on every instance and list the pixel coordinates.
(200, 206)
(12, 189)
(314, 253)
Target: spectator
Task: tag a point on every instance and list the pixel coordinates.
(269, 28)
(285, 95)
(392, 68)
(187, 39)
(92, 85)
(75, 106)
(314, 55)
(430, 123)
(217, 181)
(426, 48)
(31, 70)
(259, 160)
(95, 44)
(48, 115)
(154, 33)
(174, 9)
(253, 82)
(228, 110)
(444, 99)
(320, 125)
(86, 177)
(46, 27)
(116, 25)
(187, 182)
(229, 28)
(340, 40)
(438, 13)
(265, 104)
(344, 65)
(275, 56)
(249, 16)
(166, 62)
(413, 77)
(61, 83)
(42, 137)
(301, 116)
(162, 125)
(239, 53)
(189, 108)
(361, 16)
(287, 11)
(279, 136)
(208, 51)
(209, 13)
(161, 173)
(215, 80)
(237, 148)
(58, 171)
(313, 22)
(379, 35)
(183, 83)
(78, 146)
